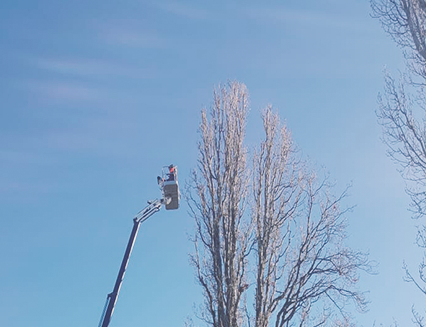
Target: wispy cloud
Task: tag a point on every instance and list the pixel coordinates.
(95, 136)
(129, 33)
(182, 9)
(61, 90)
(132, 38)
(64, 91)
(80, 67)
(126, 32)
(17, 157)
(25, 188)
(303, 18)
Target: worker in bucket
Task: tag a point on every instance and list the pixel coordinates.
(172, 173)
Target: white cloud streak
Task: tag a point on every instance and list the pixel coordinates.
(10, 188)
(78, 67)
(61, 90)
(303, 18)
(183, 10)
(17, 157)
(132, 38)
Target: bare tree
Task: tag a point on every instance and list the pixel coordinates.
(220, 184)
(300, 230)
(405, 135)
(402, 109)
(293, 234)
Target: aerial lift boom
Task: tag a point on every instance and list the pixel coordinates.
(171, 201)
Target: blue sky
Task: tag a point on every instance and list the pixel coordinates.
(98, 95)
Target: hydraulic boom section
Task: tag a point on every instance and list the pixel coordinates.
(144, 214)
